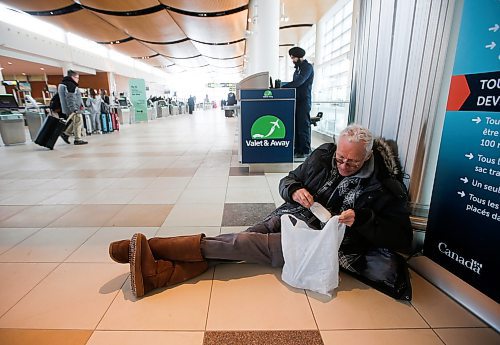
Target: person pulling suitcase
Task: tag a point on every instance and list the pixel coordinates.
(72, 105)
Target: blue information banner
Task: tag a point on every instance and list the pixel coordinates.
(267, 125)
(463, 230)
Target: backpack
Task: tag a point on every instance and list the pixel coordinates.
(55, 103)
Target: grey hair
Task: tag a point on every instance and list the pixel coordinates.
(357, 133)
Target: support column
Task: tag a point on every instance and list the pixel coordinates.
(263, 43)
(2, 88)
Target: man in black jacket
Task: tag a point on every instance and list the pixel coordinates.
(302, 82)
(360, 180)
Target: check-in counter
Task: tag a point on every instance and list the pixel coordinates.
(34, 119)
(12, 129)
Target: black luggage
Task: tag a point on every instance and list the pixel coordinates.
(50, 130)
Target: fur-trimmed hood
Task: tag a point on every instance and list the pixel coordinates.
(385, 152)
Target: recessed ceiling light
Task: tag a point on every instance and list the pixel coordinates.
(23, 73)
(43, 69)
(9, 63)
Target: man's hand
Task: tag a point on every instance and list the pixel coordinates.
(303, 197)
(347, 217)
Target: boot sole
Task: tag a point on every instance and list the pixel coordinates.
(136, 281)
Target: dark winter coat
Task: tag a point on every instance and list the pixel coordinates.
(302, 81)
(381, 214)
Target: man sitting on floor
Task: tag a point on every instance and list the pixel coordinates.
(360, 179)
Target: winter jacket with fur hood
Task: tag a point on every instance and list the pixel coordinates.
(382, 217)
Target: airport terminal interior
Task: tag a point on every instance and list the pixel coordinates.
(171, 171)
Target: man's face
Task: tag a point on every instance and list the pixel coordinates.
(350, 156)
(76, 78)
(295, 60)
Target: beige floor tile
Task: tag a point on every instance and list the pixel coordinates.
(22, 184)
(201, 181)
(132, 183)
(88, 215)
(36, 216)
(157, 196)
(73, 296)
(182, 307)
(354, 305)
(249, 195)
(34, 197)
(96, 248)
(466, 336)
(169, 231)
(18, 279)
(71, 197)
(55, 184)
(146, 337)
(48, 245)
(176, 171)
(140, 215)
(93, 183)
(8, 211)
(195, 215)
(221, 169)
(381, 337)
(113, 196)
(4, 194)
(44, 336)
(253, 297)
(9, 237)
(202, 196)
(167, 183)
(144, 172)
(247, 182)
(438, 309)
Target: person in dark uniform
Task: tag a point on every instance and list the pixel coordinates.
(302, 82)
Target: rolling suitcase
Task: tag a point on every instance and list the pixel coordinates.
(110, 122)
(104, 123)
(50, 131)
(87, 123)
(116, 121)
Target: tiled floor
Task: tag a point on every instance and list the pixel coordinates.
(178, 175)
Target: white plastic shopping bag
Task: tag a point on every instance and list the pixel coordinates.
(311, 256)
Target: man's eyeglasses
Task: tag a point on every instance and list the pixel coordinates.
(348, 162)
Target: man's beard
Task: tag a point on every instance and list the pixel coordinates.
(296, 64)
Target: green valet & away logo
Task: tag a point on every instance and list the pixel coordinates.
(268, 127)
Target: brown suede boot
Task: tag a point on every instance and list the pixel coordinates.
(167, 248)
(148, 274)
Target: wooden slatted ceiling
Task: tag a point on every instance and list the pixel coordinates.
(182, 49)
(225, 63)
(213, 29)
(45, 5)
(194, 62)
(223, 51)
(121, 5)
(133, 48)
(154, 27)
(204, 5)
(158, 61)
(86, 24)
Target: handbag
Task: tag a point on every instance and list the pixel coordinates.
(311, 256)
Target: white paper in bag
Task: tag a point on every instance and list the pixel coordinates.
(311, 256)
